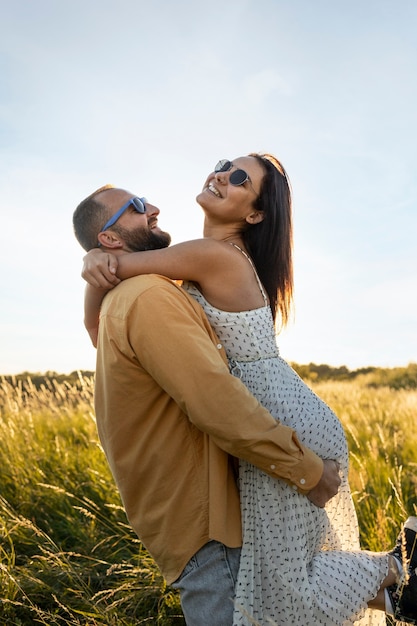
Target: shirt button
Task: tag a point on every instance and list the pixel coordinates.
(273, 467)
(219, 346)
(302, 481)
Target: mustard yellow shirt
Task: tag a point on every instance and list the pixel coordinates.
(169, 414)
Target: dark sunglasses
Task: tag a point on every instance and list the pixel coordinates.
(236, 178)
(137, 203)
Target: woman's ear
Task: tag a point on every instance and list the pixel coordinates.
(255, 217)
(109, 239)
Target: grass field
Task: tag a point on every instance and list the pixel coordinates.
(67, 553)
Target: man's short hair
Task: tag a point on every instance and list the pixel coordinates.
(88, 219)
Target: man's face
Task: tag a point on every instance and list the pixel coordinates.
(139, 231)
(142, 234)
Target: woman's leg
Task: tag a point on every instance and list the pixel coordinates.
(392, 578)
(398, 592)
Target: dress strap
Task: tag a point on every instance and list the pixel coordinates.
(261, 287)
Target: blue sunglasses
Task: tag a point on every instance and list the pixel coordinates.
(137, 203)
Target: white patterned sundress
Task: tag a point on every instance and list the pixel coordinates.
(300, 564)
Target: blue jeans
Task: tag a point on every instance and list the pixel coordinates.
(207, 585)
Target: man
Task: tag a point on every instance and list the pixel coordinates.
(171, 418)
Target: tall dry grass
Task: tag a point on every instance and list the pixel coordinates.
(67, 553)
(381, 427)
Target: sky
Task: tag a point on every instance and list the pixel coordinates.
(150, 95)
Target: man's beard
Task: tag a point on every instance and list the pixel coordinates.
(140, 239)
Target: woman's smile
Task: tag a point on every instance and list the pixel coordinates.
(213, 190)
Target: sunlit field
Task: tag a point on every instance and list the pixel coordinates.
(67, 553)
(381, 427)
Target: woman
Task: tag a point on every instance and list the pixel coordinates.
(297, 564)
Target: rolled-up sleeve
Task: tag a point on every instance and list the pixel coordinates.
(171, 338)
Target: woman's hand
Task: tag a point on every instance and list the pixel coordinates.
(99, 269)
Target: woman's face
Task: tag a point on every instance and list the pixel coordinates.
(223, 199)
